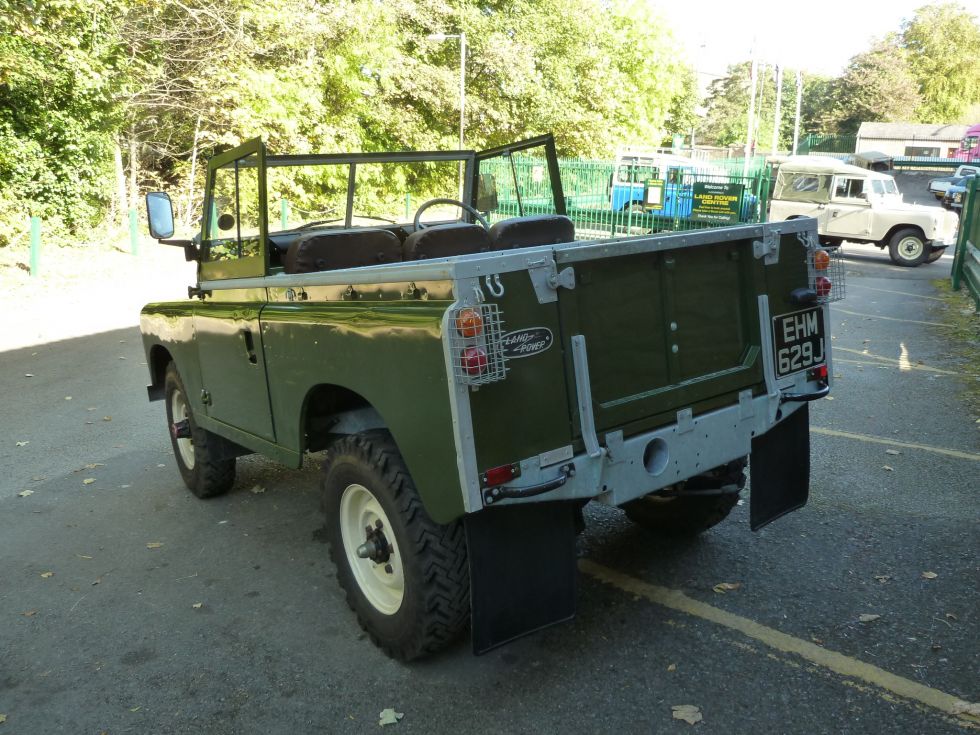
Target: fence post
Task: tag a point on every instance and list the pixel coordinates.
(284, 213)
(35, 245)
(408, 207)
(134, 237)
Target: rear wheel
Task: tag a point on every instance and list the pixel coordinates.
(688, 515)
(205, 475)
(404, 575)
(908, 248)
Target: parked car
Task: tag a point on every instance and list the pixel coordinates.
(851, 203)
(938, 186)
(954, 196)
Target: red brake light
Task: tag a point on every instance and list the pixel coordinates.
(474, 360)
(823, 286)
(498, 475)
(819, 373)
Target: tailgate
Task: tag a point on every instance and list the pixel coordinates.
(668, 322)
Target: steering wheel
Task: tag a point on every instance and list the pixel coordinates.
(465, 207)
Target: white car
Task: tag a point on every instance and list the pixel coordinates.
(855, 204)
(940, 186)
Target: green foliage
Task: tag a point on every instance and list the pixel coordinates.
(877, 86)
(943, 44)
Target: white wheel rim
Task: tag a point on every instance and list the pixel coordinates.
(179, 412)
(360, 510)
(910, 247)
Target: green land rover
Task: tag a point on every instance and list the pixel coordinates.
(474, 381)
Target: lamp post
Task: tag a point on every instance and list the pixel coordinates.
(462, 90)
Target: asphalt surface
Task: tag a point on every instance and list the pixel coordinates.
(112, 640)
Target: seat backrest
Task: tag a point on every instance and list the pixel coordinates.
(523, 232)
(441, 241)
(327, 251)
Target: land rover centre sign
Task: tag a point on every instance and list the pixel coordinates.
(716, 202)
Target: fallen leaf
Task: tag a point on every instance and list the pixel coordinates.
(67, 398)
(3, 719)
(867, 617)
(893, 452)
(83, 556)
(197, 605)
(107, 418)
(90, 408)
(29, 613)
(936, 647)
(829, 398)
(25, 493)
(22, 444)
(950, 616)
(672, 667)
(818, 641)
(161, 465)
(966, 708)
(88, 480)
(121, 357)
(125, 486)
(28, 375)
(929, 575)
(886, 468)
(723, 587)
(258, 489)
(389, 717)
(38, 478)
(154, 545)
(687, 712)
(94, 465)
(135, 709)
(47, 575)
(883, 577)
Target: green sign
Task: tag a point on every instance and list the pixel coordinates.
(716, 202)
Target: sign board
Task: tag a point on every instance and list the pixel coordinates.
(716, 202)
(653, 193)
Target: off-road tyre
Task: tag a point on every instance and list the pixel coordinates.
(694, 514)
(204, 475)
(435, 603)
(907, 248)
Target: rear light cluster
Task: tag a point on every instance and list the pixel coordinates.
(476, 345)
(825, 269)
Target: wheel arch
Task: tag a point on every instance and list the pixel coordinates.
(157, 360)
(886, 240)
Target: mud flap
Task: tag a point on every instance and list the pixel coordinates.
(522, 570)
(779, 469)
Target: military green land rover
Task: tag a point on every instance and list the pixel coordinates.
(476, 380)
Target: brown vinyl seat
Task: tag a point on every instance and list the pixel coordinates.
(441, 241)
(327, 251)
(524, 232)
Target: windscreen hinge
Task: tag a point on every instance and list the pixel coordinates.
(547, 279)
(767, 247)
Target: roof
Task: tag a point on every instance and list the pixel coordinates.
(907, 131)
(821, 165)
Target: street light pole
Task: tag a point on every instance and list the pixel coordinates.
(462, 91)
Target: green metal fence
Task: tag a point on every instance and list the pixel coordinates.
(827, 144)
(966, 261)
(605, 200)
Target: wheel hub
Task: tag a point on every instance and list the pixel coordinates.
(376, 547)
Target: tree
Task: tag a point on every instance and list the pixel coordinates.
(943, 48)
(877, 86)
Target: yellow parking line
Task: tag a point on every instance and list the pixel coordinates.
(836, 662)
(895, 443)
(888, 290)
(894, 319)
(904, 365)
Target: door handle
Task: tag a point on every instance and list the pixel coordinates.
(249, 346)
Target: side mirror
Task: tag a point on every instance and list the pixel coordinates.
(486, 193)
(160, 215)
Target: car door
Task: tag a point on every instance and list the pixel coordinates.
(524, 176)
(226, 321)
(849, 210)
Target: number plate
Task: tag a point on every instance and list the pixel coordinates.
(798, 341)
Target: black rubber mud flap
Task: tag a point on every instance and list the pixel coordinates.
(779, 469)
(522, 570)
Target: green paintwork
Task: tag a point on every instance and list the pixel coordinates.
(526, 414)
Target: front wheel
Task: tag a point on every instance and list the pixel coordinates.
(204, 474)
(688, 515)
(405, 576)
(907, 248)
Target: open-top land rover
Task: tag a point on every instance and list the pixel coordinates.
(473, 385)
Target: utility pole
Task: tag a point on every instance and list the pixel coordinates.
(799, 103)
(748, 128)
(778, 113)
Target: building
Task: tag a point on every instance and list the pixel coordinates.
(910, 139)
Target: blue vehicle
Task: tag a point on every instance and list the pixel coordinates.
(664, 186)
